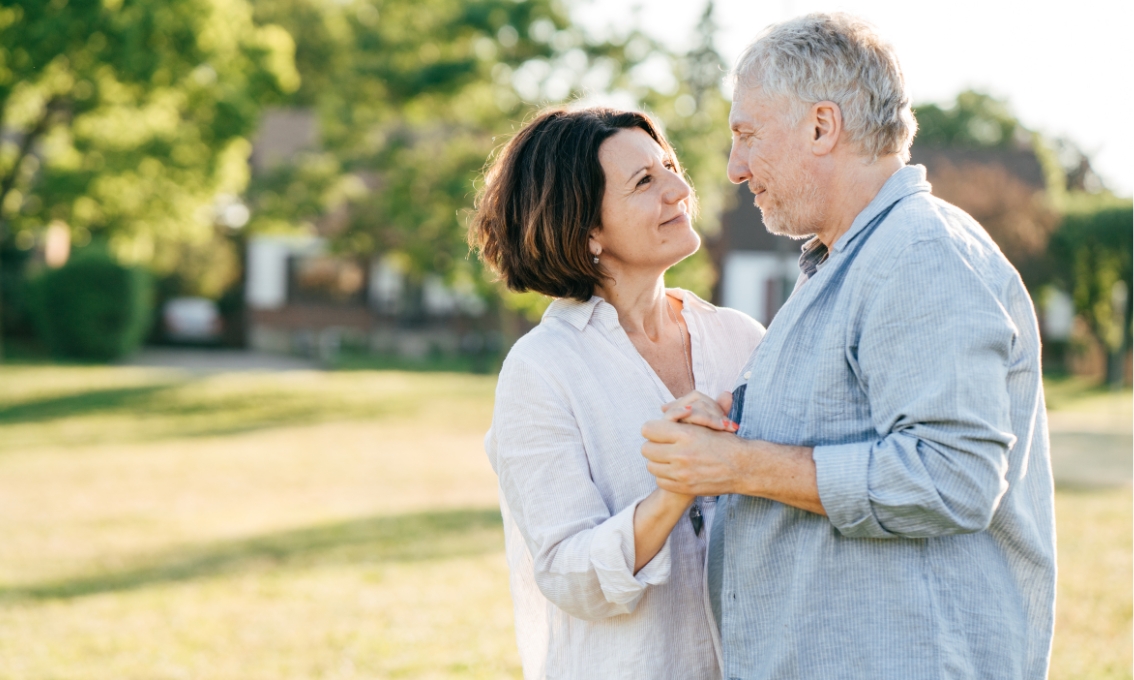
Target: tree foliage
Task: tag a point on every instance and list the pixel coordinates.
(124, 118)
(411, 99)
(1091, 256)
(975, 120)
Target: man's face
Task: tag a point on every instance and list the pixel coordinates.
(771, 155)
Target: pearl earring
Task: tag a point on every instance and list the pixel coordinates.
(595, 259)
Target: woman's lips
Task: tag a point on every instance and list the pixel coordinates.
(683, 218)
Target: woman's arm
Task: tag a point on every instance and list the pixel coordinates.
(584, 553)
(654, 519)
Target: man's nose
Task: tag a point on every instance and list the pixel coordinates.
(737, 166)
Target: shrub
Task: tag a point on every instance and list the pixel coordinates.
(92, 307)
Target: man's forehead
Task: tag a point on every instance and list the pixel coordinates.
(750, 106)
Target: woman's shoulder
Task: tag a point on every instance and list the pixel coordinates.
(547, 349)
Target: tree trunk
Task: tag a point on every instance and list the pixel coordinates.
(8, 183)
(1116, 369)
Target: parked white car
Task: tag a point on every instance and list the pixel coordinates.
(191, 319)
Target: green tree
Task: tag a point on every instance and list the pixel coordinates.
(123, 119)
(1091, 253)
(975, 119)
(695, 115)
(421, 93)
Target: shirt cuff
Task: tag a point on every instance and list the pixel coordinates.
(842, 473)
(612, 555)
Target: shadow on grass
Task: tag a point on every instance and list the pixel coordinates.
(174, 409)
(401, 538)
(83, 403)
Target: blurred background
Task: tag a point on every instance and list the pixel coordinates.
(247, 359)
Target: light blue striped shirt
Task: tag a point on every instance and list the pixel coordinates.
(910, 361)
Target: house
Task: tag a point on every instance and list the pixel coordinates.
(300, 297)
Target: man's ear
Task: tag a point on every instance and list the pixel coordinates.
(826, 123)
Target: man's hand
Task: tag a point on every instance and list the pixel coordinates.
(690, 459)
(694, 460)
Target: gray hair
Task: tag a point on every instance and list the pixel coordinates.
(838, 58)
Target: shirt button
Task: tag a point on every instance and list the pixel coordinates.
(748, 375)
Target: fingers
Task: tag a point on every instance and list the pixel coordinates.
(657, 454)
(725, 401)
(663, 476)
(696, 414)
(690, 398)
(661, 431)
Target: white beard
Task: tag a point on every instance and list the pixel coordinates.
(799, 212)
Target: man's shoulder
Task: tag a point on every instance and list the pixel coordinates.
(924, 217)
(923, 226)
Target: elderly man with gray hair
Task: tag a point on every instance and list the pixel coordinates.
(889, 507)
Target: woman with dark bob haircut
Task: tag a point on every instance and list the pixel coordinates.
(591, 207)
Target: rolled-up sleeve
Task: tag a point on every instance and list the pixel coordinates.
(582, 552)
(932, 352)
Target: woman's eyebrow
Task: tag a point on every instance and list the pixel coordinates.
(643, 169)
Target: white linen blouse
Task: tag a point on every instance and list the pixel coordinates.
(566, 445)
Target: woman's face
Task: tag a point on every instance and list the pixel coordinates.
(645, 209)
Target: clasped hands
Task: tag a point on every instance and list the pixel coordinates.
(692, 449)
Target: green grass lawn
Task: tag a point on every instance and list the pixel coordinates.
(329, 525)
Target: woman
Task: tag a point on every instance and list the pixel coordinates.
(607, 571)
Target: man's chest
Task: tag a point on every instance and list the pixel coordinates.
(804, 386)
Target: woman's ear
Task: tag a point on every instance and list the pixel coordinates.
(593, 245)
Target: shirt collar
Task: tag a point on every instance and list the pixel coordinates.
(579, 314)
(576, 313)
(905, 182)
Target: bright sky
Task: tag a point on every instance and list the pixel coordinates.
(1065, 68)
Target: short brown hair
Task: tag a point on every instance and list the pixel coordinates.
(542, 197)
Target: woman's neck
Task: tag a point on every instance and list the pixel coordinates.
(640, 303)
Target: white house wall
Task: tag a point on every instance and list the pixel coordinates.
(745, 278)
(266, 286)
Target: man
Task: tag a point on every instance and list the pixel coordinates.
(891, 507)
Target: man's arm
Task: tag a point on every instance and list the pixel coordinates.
(933, 356)
(935, 351)
(691, 459)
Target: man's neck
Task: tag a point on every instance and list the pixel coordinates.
(850, 191)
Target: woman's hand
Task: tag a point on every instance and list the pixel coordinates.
(696, 408)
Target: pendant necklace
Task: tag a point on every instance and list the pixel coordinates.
(696, 518)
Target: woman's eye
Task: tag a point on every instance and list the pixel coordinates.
(644, 181)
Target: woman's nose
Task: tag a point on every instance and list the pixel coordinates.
(678, 190)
